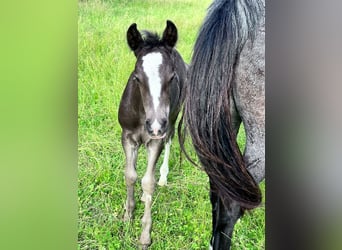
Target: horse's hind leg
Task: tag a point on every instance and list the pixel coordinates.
(249, 95)
(164, 169)
(223, 220)
(154, 149)
(131, 152)
(255, 156)
(252, 111)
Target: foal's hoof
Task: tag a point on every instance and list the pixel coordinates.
(162, 182)
(144, 247)
(145, 240)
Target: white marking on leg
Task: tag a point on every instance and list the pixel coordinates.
(151, 64)
(164, 169)
(146, 197)
(148, 184)
(211, 246)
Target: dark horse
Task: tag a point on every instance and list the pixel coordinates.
(148, 111)
(225, 87)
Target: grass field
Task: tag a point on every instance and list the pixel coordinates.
(181, 211)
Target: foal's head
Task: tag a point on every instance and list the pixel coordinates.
(154, 72)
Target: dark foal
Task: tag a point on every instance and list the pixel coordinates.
(148, 111)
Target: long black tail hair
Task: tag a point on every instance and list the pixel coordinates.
(227, 27)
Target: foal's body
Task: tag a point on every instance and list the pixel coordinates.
(148, 111)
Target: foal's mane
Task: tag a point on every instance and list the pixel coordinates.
(152, 39)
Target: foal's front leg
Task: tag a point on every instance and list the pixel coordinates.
(131, 152)
(154, 149)
(164, 169)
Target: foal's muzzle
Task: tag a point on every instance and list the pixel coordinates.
(156, 129)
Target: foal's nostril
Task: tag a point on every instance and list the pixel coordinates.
(148, 126)
(163, 123)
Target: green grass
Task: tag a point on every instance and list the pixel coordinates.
(181, 211)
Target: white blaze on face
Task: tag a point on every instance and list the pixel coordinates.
(151, 64)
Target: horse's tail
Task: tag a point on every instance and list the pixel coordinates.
(227, 27)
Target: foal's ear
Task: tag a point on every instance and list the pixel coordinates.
(134, 38)
(170, 35)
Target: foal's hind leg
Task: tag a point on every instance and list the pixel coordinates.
(164, 169)
(154, 149)
(131, 152)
